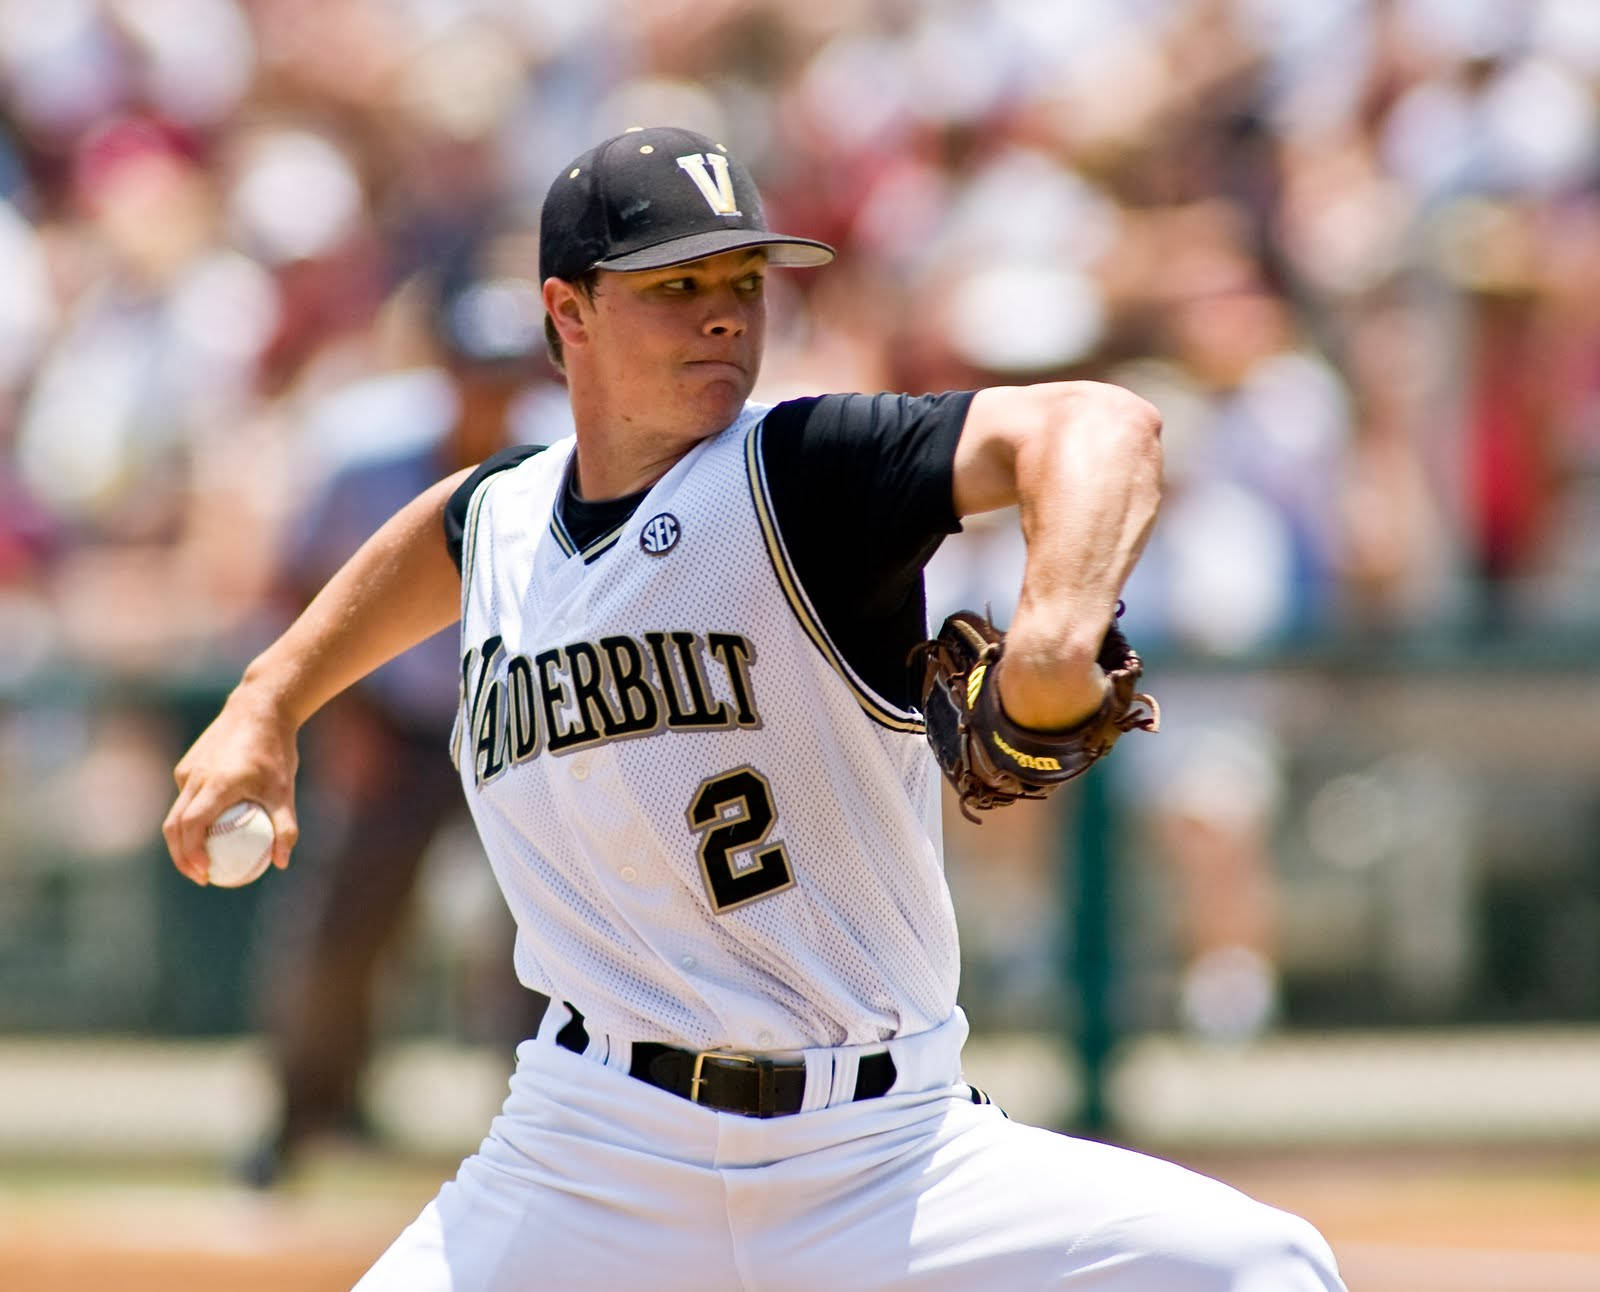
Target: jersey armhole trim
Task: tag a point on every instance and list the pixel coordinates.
(469, 545)
(874, 705)
(469, 551)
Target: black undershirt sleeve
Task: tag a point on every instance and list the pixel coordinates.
(862, 493)
(455, 511)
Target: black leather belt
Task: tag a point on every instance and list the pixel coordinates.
(752, 1085)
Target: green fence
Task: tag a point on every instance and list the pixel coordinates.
(1432, 838)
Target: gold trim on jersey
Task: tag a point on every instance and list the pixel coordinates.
(469, 550)
(469, 545)
(560, 535)
(598, 548)
(601, 546)
(876, 708)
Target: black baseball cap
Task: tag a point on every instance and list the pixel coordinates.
(649, 198)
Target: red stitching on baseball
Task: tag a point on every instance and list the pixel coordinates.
(219, 827)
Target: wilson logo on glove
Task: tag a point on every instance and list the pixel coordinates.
(1031, 761)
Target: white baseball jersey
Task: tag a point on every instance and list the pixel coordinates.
(711, 833)
(709, 830)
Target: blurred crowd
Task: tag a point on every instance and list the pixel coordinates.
(1351, 248)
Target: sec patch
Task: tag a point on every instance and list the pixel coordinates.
(660, 534)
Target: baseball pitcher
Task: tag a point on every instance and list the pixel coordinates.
(701, 730)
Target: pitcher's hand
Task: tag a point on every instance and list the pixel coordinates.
(248, 752)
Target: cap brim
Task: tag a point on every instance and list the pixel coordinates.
(782, 249)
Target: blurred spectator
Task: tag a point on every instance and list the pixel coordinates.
(144, 387)
(379, 782)
(206, 201)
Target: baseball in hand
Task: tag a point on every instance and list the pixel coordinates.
(239, 845)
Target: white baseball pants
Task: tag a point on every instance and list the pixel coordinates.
(592, 1179)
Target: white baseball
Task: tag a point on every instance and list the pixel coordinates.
(239, 845)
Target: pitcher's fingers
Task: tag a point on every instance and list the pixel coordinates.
(285, 834)
(185, 841)
(211, 798)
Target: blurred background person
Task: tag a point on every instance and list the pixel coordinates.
(1246, 561)
(465, 340)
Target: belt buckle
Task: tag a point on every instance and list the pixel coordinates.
(763, 1066)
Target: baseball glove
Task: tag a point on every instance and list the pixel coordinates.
(989, 759)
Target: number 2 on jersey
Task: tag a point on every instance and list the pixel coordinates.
(733, 813)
